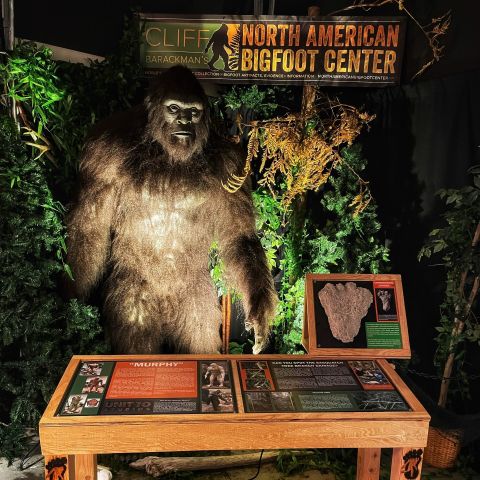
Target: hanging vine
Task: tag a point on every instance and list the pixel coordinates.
(300, 150)
(433, 31)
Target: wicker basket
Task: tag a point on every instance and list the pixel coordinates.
(443, 447)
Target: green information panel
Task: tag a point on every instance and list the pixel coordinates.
(383, 335)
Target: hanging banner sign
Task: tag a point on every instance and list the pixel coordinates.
(357, 51)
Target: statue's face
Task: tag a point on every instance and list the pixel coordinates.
(181, 122)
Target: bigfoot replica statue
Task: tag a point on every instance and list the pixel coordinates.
(151, 202)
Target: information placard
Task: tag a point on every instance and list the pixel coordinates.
(151, 387)
(180, 386)
(317, 386)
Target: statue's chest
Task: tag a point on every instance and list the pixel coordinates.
(168, 211)
(173, 201)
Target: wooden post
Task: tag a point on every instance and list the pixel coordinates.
(407, 463)
(308, 98)
(226, 321)
(368, 463)
(9, 35)
(299, 207)
(86, 467)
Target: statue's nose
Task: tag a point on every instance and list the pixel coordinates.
(184, 117)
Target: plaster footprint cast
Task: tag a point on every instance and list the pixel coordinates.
(345, 306)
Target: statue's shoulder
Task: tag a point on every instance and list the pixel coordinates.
(121, 129)
(110, 141)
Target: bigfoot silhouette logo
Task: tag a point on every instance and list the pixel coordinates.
(412, 460)
(56, 469)
(220, 44)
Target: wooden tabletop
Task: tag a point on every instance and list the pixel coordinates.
(223, 431)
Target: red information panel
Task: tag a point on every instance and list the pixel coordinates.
(150, 387)
(154, 380)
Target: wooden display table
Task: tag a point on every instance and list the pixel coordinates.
(121, 404)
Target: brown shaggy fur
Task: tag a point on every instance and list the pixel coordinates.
(146, 221)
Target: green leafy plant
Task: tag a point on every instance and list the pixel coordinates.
(38, 330)
(29, 77)
(339, 243)
(456, 243)
(347, 243)
(339, 462)
(60, 102)
(269, 224)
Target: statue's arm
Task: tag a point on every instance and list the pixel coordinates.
(90, 219)
(246, 264)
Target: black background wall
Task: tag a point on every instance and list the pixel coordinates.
(425, 137)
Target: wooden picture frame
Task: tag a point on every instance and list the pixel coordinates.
(382, 333)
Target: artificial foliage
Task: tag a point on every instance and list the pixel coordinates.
(345, 242)
(56, 105)
(38, 330)
(59, 102)
(455, 245)
(334, 240)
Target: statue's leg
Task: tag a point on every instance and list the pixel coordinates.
(198, 329)
(135, 317)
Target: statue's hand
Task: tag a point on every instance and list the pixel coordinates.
(262, 310)
(261, 338)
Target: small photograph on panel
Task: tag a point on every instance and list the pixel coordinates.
(216, 400)
(386, 307)
(282, 401)
(75, 404)
(95, 385)
(256, 376)
(89, 369)
(215, 374)
(92, 403)
(259, 402)
(369, 374)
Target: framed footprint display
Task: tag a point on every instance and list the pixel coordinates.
(360, 316)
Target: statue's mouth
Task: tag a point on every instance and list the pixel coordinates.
(183, 133)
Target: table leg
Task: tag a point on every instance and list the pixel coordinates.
(368, 463)
(85, 467)
(407, 463)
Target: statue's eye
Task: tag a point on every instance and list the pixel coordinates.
(195, 112)
(173, 108)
